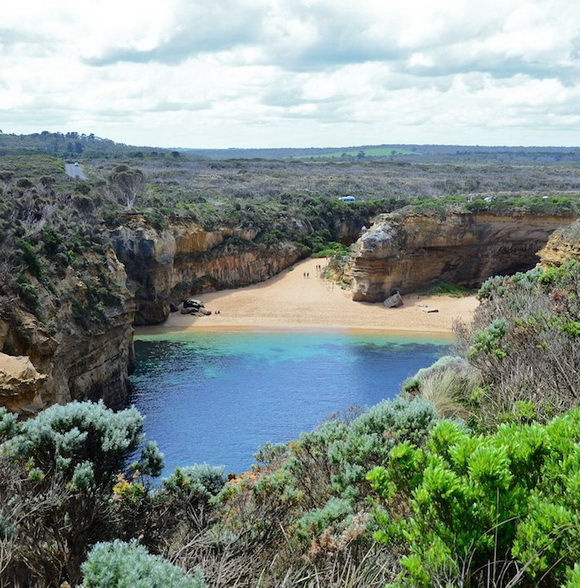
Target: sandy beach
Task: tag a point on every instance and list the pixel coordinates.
(291, 300)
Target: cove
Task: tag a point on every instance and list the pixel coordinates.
(216, 397)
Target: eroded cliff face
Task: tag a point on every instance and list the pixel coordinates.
(73, 339)
(564, 244)
(407, 251)
(78, 343)
(164, 266)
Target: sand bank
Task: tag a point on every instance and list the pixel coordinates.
(291, 300)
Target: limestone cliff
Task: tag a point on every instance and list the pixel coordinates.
(409, 250)
(164, 266)
(70, 337)
(74, 341)
(564, 244)
(20, 384)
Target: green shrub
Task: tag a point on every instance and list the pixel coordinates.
(52, 239)
(333, 460)
(489, 340)
(331, 250)
(573, 578)
(62, 488)
(370, 437)
(28, 293)
(486, 510)
(129, 565)
(202, 479)
(524, 340)
(314, 522)
(446, 289)
(30, 257)
(84, 442)
(8, 424)
(448, 384)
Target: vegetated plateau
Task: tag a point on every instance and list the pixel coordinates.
(470, 478)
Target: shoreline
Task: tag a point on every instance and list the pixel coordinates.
(381, 331)
(299, 299)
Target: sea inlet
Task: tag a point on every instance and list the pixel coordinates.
(215, 396)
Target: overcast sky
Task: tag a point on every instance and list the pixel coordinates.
(293, 73)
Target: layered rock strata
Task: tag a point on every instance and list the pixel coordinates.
(165, 266)
(408, 251)
(77, 345)
(564, 244)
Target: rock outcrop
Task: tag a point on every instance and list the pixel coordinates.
(408, 250)
(165, 266)
(20, 384)
(564, 244)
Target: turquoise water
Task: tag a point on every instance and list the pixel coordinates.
(216, 397)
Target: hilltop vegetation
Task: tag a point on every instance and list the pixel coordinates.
(71, 145)
(75, 145)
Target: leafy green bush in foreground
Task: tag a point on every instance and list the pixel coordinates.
(496, 510)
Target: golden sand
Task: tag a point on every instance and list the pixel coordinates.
(291, 300)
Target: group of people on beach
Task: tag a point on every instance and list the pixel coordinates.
(318, 269)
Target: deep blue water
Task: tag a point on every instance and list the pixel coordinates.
(216, 397)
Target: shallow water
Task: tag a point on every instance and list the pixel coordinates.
(216, 397)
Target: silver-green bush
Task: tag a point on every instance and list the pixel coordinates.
(129, 565)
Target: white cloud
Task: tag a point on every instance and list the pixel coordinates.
(293, 72)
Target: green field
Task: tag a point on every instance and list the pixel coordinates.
(370, 152)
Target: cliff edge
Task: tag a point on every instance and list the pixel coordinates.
(409, 250)
(169, 264)
(72, 340)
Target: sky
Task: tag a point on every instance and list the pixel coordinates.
(293, 73)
